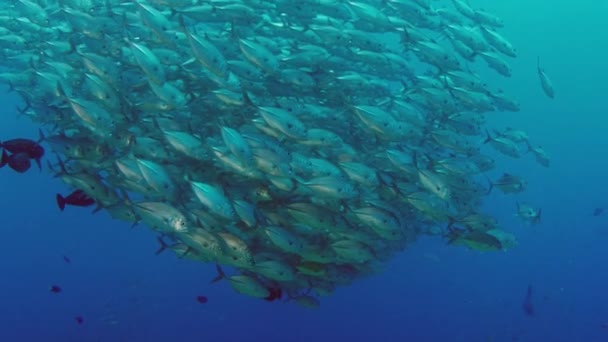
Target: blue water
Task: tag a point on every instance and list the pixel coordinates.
(430, 292)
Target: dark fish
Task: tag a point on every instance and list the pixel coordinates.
(275, 294)
(30, 147)
(77, 198)
(67, 260)
(201, 299)
(596, 211)
(19, 162)
(527, 305)
(55, 289)
(79, 320)
(3, 158)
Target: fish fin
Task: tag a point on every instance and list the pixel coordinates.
(41, 136)
(25, 108)
(61, 91)
(488, 137)
(450, 224)
(220, 274)
(97, 208)
(60, 202)
(490, 186)
(163, 245)
(537, 218)
(3, 158)
(530, 148)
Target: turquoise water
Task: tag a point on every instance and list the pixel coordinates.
(431, 292)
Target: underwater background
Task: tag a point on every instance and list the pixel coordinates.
(429, 292)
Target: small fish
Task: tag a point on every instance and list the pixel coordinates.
(545, 82)
(66, 259)
(527, 305)
(201, 299)
(77, 198)
(275, 294)
(79, 320)
(55, 289)
(528, 214)
(30, 147)
(598, 211)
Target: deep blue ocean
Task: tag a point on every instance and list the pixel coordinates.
(430, 292)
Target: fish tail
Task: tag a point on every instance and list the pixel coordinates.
(60, 201)
(220, 274)
(488, 137)
(3, 158)
(25, 107)
(490, 186)
(41, 136)
(61, 91)
(450, 223)
(163, 245)
(97, 208)
(529, 146)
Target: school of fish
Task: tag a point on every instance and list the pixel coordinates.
(300, 144)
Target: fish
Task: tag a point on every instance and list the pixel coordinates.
(276, 293)
(597, 212)
(249, 286)
(66, 259)
(79, 320)
(55, 289)
(201, 299)
(509, 183)
(301, 146)
(504, 145)
(540, 155)
(545, 82)
(528, 213)
(528, 306)
(32, 149)
(77, 198)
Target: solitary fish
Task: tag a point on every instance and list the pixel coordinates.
(528, 214)
(598, 211)
(545, 82)
(55, 289)
(31, 148)
(527, 305)
(77, 198)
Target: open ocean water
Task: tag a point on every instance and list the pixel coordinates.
(429, 292)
